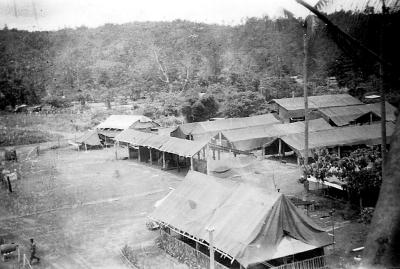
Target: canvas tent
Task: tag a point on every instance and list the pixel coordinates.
(89, 139)
(251, 225)
(337, 137)
(247, 139)
(206, 129)
(289, 108)
(341, 116)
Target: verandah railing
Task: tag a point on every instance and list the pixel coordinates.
(185, 253)
(313, 263)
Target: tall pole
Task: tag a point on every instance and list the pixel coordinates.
(382, 87)
(211, 246)
(305, 81)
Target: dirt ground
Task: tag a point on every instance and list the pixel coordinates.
(83, 207)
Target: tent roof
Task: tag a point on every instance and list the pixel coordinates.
(181, 147)
(89, 138)
(344, 115)
(122, 122)
(318, 101)
(255, 137)
(206, 129)
(353, 135)
(251, 225)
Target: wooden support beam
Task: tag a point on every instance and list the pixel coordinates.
(139, 159)
(151, 156)
(219, 154)
(191, 163)
(163, 161)
(280, 147)
(213, 156)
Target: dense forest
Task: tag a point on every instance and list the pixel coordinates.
(238, 68)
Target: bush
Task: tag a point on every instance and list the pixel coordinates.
(366, 215)
(57, 101)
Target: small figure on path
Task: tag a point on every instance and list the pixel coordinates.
(33, 252)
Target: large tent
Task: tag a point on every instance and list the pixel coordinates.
(251, 225)
(344, 136)
(252, 138)
(206, 129)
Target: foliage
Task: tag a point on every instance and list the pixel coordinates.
(244, 104)
(198, 108)
(366, 214)
(361, 170)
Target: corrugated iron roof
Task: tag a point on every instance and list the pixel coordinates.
(345, 115)
(331, 6)
(353, 135)
(121, 122)
(206, 129)
(181, 147)
(318, 101)
(255, 137)
(250, 224)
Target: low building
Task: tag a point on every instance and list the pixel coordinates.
(357, 114)
(251, 226)
(336, 139)
(169, 152)
(206, 129)
(292, 109)
(115, 124)
(253, 138)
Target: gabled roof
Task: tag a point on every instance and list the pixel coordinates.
(345, 115)
(318, 101)
(250, 224)
(206, 129)
(353, 135)
(89, 138)
(121, 122)
(181, 147)
(255, 137)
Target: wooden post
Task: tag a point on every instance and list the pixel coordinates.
(263, 152)
(177, 163)
(213, 151)
(139, 159)
(85, 147)
(163, 160)
(338, 151)
(204, 153)
(198, 155)
(191, 164)
(219, 154)
(197, 246)
(220, 138)
(305, 81)
(151, 156)
(280, 147)
(23, 261)
(211, 247)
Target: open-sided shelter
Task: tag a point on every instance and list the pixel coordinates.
(252, 138)
(115, 124)
(206, 129)
(337, 137)
(293, 108)
(164, 149)
(251, 225)
(357, 114)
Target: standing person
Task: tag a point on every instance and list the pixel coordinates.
(33, 252)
